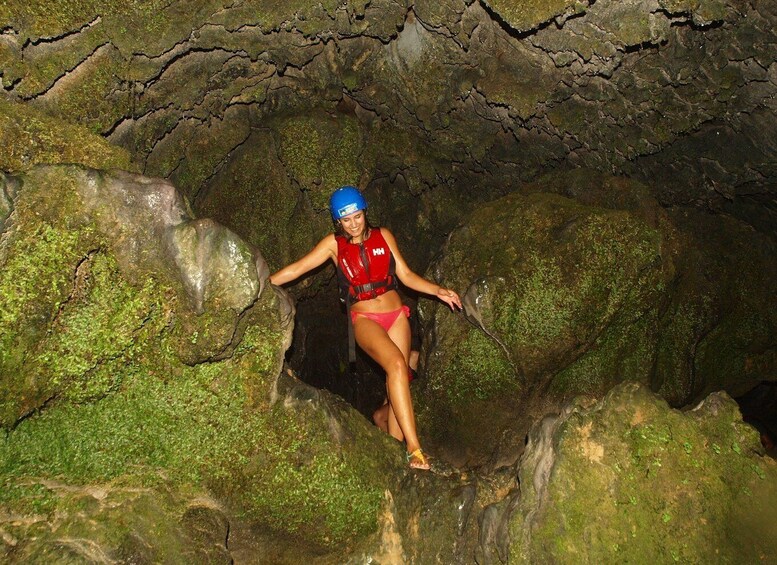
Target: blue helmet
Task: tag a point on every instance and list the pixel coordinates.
(346, 200)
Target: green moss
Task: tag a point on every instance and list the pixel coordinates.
(139, 20)
(527, 15)
(192, 158)
(44, 65)
(708, 10)
(27, 498)
(682, 328)
(479, 368)
(565, 274)
(541, 310)
(207, 425)
(663, 484)
(46, 251)
(92, 101)
(316, 483)
(131, 524)
(92, 357)
(621, 274)
(626, 349)
(41, 19)
(68, 319)
(715, 333)
(322, 154)
(29, 137)
(26, 306)
(199, 429)
(98, 329)
(570, 294)
(243, 193)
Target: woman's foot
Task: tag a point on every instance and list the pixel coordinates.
(418, 460)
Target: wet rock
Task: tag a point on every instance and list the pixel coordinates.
(113, 247)
(630, 478)
(209, 527)
(494, 531)
(7, 190)
(548, 283)
(563, 298)
(109, 373)
(104, 524)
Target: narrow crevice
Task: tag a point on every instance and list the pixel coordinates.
(80, 276)
(67, 75)
(68, 34)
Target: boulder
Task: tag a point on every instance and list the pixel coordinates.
(143, 347)
(629, 479)
(577, 282)
(560, 298)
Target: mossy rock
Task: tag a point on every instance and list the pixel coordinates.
(322, 153)
(716, 333)
(547, 282)
(630, 480)
(29, 137)
(88, 286)
(141, 346)
(124, 523)
(254, 197)
(524, 16)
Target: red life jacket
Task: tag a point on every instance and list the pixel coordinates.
(365, 270)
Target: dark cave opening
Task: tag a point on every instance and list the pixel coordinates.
(759, 409)
(319, 353)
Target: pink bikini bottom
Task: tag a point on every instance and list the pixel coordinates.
(384, 319)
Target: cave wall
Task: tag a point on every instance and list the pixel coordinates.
(255, 110)
(456, 97)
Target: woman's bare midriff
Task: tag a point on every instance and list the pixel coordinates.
(384, 303)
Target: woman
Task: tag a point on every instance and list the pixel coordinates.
(368, 262)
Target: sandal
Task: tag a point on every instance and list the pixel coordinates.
(418, 460)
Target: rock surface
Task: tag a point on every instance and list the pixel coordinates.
(462, 94)
(564, 297)
(141, 355)
(146, 416)
(79, 229)
(629, 479)
(142, 430)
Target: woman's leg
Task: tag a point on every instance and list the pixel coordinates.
(381, 416)
(390, 350)
(397, 334)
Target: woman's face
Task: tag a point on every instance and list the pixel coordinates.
(353, 224)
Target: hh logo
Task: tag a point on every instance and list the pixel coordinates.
(379, 251)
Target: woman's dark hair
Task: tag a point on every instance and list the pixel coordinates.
(340, 231)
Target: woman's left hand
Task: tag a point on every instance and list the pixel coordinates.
(449, 297)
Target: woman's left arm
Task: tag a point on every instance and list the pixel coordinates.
(416, 282)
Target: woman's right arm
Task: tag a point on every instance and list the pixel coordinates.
(325, 249)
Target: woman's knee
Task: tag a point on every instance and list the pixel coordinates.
(396, 366)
